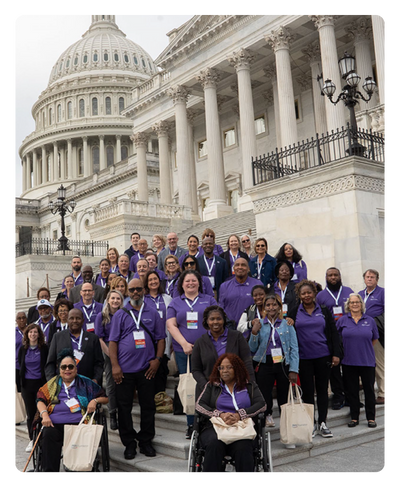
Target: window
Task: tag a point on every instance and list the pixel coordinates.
(85, 59)
(143, 62)
(80, 161)
(229, 137)
(126, 58)
(67, 63)
(116, 57)
(135, 60)
(105, 56)
(94, 107)
(76, 60)
(121, 104)
(55, 235)
(108, 105)
(110, 155)
(59, 113)
(50, 116)
(124, 152)
(69, 110)
(96, 159)
(81, 108)
(259, 124)
(202, 149)
(95, 57)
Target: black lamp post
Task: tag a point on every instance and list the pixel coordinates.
(62, 207)
(349, 94)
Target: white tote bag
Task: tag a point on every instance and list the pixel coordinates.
(80, 445)
(187, 390)
(243, 429)
(20, 412)
(297, 420)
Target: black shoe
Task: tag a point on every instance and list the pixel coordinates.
(372, 424)
(352, 423)
(113, 421)
(189, 432)
(337, 405)
(130, 451)
(147, 449)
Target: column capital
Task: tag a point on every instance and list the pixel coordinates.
(178, 94)
(241, 59)
(191, 115)
(140, 139)
(360, 30)
(280, 38)
(312, 52)
(161, 128)
(209, 78)
(321, 21)
(268, 95)
(270, 72)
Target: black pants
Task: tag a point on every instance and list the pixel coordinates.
(241, 452)
(29, 392)
(266, 375)
(161, 376)
(125, 392)
(336, 381)
(314, 377)
(51, 442)
(351, 376)
(18, 380)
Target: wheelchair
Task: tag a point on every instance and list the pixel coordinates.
(102, 460)
(261, 450)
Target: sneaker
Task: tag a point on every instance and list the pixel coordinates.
(189, 432)
(290, 446)
(269, 421)
(324, 431)
(315, 429)
(29, 447)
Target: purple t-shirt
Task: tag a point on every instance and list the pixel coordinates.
(32, 364)
(102, 331)
(375, 301)
(220, 343)
(170, 284)
(334, 299)
(357, 340)
(18, 342)
(191, 329)
(45, 327)
(159, 304)
(61, 414)
(133, 261)
(275, 341)
(310, 330)
(199, 253)
(100, 281)
(135, 350)
(235, 297)
(225, 400)
(89, 314)
(300, 271)
(78, 281)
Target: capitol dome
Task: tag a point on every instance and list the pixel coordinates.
(103, 48)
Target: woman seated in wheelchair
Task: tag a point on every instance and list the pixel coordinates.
(230, 396)
(64, 399)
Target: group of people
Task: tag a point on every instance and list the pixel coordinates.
(240, 319)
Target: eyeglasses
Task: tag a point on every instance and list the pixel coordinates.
(245, 241)
(261, 246)
(189, 263)
(135, 289)
(222, 368)
(171, 264)
(354, 302)
(67, 367)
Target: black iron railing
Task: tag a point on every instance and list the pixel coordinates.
(47, 246)
(322, 149)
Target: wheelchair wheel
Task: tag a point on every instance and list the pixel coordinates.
(195, 456)
(266, 452)
(102, 460)
(37, 452)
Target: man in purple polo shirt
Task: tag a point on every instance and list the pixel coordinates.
(76, 265)
(235, 294)
(136, 346)
(374, 300)
(142, 246)
(123, 268)
(334, 297)
(46, 317)
(88, 306)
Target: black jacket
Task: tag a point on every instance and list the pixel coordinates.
(21, 359)
(75, 293)
(226, 256)
(204, 356)
(221, 273)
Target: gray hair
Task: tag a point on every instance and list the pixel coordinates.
(347, 303)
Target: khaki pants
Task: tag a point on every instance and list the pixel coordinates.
(380, 368)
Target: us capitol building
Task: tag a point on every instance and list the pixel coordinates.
(149, 146)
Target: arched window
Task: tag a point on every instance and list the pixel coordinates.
(105, 56)
(96, 158)
(108, 105)
(69, 110)
(126, 58)
(76, 60)
(121, 104)
(85, 59)
(81, 108)
(124, 152)
(59, 113)
(94, 107)
(80, 161)
(95, 57)
(135, 60)
(116, 57)
(110, 155)
(143, 62)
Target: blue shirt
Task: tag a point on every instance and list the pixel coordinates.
(310, 330)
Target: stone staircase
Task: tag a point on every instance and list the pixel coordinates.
(173, 448)
(238, 223)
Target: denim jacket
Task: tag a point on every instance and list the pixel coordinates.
(258, 344)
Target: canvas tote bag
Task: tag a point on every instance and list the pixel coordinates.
(186, 390)
(297, 420)
(20, 412)
(243, 429)
(80, 445)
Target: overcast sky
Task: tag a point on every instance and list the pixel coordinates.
(40, 40)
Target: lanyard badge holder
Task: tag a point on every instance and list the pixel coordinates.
(138, 335)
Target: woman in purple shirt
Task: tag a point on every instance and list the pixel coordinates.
(359, 333)
(32, 359)
(288, 252)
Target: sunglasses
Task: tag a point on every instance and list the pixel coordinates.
(67, 367)
(135, 289)
(189, 263)
(245, 241)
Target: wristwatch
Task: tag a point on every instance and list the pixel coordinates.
(159, 359)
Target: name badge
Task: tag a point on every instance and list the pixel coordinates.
(294, 277)
(212, 279)
(337, 312)
(140, 339)
(192, 320)
(73, 405)
(78, 356)
(160, 313)
(284, 310)
(277, 355)
(90, 327)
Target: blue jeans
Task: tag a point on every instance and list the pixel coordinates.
(181, 361)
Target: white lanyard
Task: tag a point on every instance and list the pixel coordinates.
(259, 266)
(193, 303)
(76, 277)
(169, 284)
(366, 297)
(137, 321)
(272, 332)
(64, 326)
(103, 282)
(172, 252)
(80, 340)
(234, 258)
(233, 397)
(208, 267)
(336, 299)
(20, 332)
(283, 292)
(258, 313)
(86, 314)
(66, 388)
(40, 323)
(156, 301)
(114, 269)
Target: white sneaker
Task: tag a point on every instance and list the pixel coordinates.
(315, 430)
(324, 431)
(290, 446)
(29, 447)
(269, 421)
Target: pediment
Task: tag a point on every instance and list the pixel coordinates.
(191, 34)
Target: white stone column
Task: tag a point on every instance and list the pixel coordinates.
(193, 175)
(70, 169)
(378, 26)
(270, 73)
(242, 60)
(161, 129)
(62, 162)
(35, 169)
(335, 115)
(24, 177)
(44, 165)
(51, 170)
(102, 153)
(140, 139)
(217, 206)
(87, 164)
(179, 95)
(280, 42)
(313, 54)
(56, 174)
(118, 146)
(28, 172)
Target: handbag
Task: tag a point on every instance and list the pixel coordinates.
(186, 390)
(80, 444)
(297, 420)
(243, 429)
(20, 412)
(164, 402)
